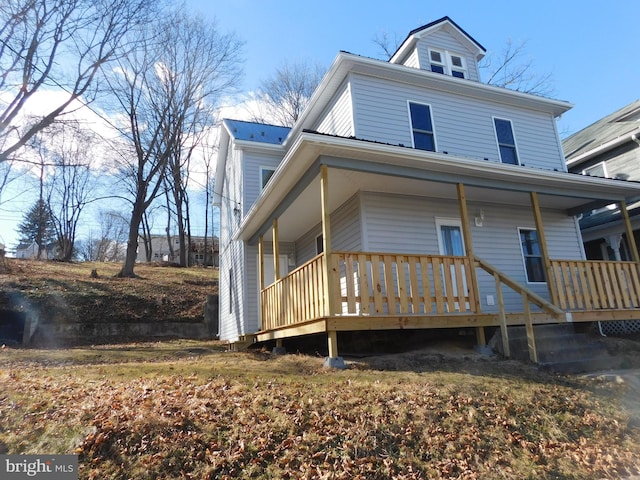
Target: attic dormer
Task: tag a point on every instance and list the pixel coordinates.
(441, 47)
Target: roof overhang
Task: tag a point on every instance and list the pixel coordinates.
(632, 136)
(299, 169)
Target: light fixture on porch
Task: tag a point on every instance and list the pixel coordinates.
(479, 218)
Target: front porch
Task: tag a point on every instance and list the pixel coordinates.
(358, 290)
(385, 291)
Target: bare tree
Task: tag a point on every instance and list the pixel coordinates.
(208, 153)
(70, 187)
(108, 246)
(512, 69)
(166, 90)
(60, 45)
(283, 97)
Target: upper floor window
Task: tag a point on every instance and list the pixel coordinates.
(597, 170)
(506, 141)
(448, 63)
(422, 127)
(265, 175)
(532, 255)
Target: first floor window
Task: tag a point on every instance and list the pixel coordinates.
(532, 255)
(506, 141)
(319, 244)
(422, 127)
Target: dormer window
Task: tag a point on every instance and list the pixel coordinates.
(458, 68)
(447, 63)
(437, 61)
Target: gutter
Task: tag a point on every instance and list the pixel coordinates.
(616, 142)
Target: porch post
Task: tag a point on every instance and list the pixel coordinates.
(261, 278)
(333, 360)
(468, 246)
(631, 241)
(276, 251)
(543, 248)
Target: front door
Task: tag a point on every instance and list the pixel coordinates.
(450, 243)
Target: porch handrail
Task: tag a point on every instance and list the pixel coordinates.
(527, 297)
(598, 285)
(517, 287)
(298, 297)
(367, 283)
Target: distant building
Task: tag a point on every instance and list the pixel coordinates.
(167, 249)
(30, 250)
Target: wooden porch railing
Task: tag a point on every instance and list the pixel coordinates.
(385, 283)
(594, 285)
(296, 298)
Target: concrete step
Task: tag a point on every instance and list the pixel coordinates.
(558, 348)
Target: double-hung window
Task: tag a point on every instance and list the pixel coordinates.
(532, 255)
(445, 62)
(506, 141)
(422, 126)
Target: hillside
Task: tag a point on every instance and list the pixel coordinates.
(66, 293)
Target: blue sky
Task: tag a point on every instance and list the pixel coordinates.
(589, 47)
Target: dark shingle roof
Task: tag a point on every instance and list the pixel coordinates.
(436, 22)
(615, 125)
(257, 132)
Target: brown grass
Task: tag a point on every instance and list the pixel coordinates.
(191, 410)
(187, 409)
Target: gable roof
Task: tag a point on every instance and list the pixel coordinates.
(414, 35)
(607, 133)
(256, 132)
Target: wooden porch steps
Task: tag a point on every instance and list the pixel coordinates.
(559, 348)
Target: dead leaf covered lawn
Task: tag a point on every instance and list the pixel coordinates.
(197, 412)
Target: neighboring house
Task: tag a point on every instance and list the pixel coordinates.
(30, 250)
(407, 195)
(608, 148)
(165, 249)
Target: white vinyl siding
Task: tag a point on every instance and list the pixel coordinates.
(464, 125)
(253, 164)
(404, 224)
(338, 116)
(345, 231)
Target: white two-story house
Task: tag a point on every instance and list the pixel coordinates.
(409, 195)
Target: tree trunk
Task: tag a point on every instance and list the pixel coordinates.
(132, 242)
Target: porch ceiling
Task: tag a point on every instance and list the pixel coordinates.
(306, 211)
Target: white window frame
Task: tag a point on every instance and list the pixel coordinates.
(513, 133)
(592, 167)
(524, 263)
(433, 125)
(447, 222)
(447, 62)
(462, 68)
(264, 169)
(442, 63)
